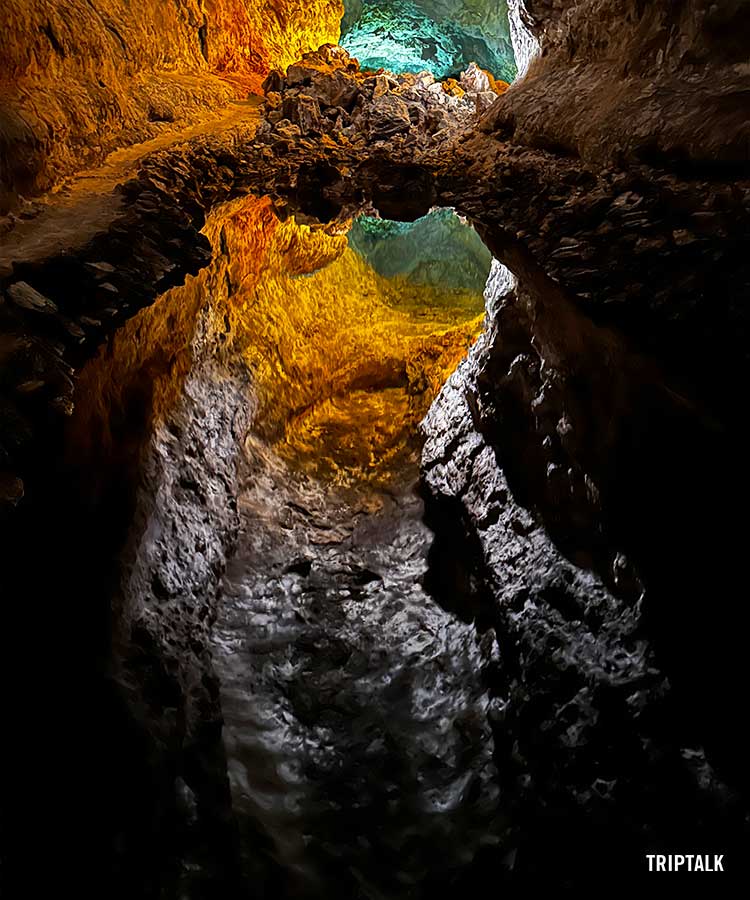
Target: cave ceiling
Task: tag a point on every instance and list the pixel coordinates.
(441, 36)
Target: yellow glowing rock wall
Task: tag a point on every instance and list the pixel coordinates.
(80, 78)
(343, 362)
(258, 35)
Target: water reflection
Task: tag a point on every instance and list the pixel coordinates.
(355, 708)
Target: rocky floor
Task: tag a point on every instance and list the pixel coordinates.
(355, 709)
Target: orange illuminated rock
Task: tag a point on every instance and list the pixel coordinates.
(253, 36)
(80, 79)
(452, 87)
(342, 362)
(327, 339)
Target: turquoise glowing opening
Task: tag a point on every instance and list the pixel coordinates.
(440, 36)
(439, 250)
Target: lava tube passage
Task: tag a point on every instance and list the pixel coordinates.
(275, 402)
(372, 448)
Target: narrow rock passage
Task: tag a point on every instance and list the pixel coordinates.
(355, 710)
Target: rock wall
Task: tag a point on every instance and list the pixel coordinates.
(605, 752)
(525, 45)
(584, 471)
(118, 711)
(256, 37)
(183, 527)
(441, 36)
(660, 83)
(151, 427)
(83, 78)
(583, 463)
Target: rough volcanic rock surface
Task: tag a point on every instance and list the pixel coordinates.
(586, 415)
(326, 95)
(661, 83)
(588, 461)
(183, 529)
(56, 310)
(525, 44)
(143, 718)
(80, 79)
(598, 761)
(440, 35)
(354, 704)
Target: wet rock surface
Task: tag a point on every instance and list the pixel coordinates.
(583, 473)
(183, 529)
(355, 707)
(149, 483)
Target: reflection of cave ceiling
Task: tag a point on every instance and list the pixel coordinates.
(437, 250)
(442, 36)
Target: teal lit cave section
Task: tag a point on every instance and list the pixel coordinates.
(440, 36)
(439, 250)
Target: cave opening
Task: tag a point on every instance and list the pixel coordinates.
(439, 36)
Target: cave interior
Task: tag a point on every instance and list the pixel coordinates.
(372, 464)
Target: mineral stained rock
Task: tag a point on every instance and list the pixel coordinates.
(286, 334)
(596, 757)
(584, 471)
(439, 249)
(561, 458)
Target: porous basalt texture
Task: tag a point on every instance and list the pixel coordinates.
(142, 720)
(146, 484)
(609, 384)
(325, 106)
(154, 440)
(563, 459)
(584, 473)
(83, 78)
